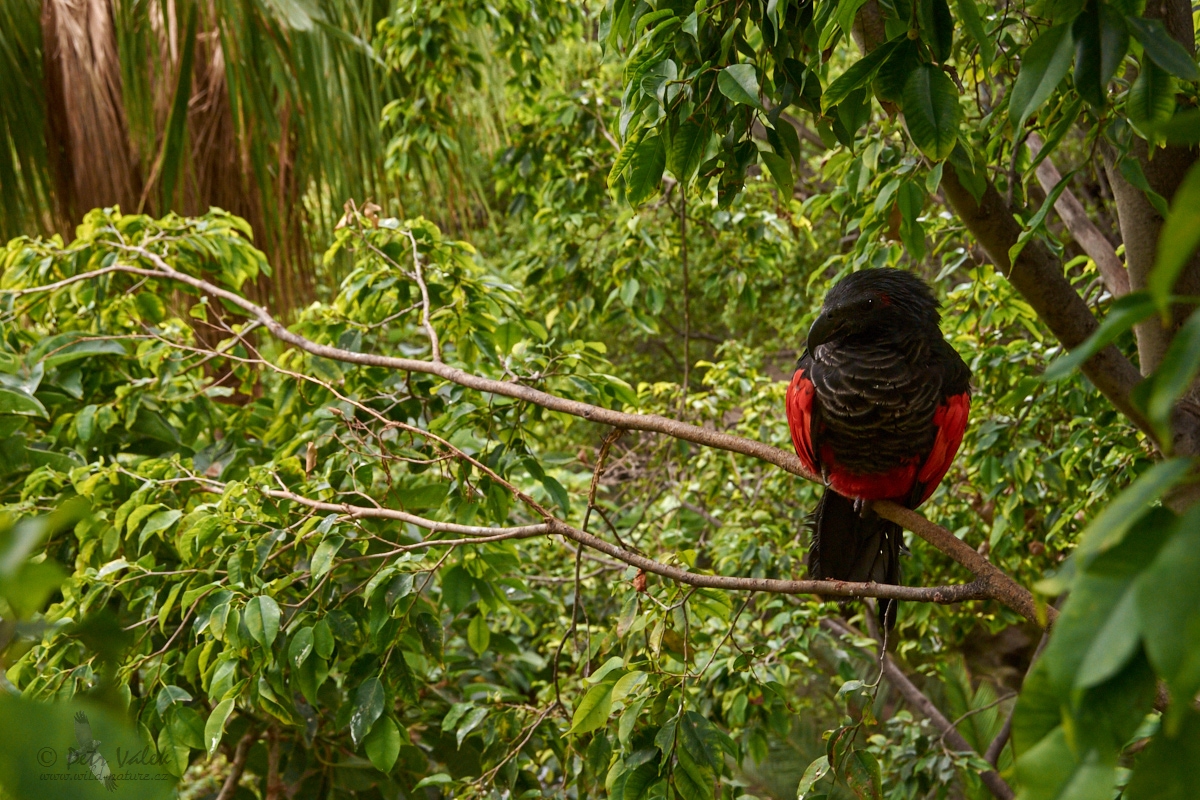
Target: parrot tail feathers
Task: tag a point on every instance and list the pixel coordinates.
(859, 547)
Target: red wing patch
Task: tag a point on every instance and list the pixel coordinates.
(951, 422)
(799, 414)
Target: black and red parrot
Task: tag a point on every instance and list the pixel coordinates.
(877, 407)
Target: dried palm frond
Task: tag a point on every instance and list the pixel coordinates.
(266, 108)
(87, 134)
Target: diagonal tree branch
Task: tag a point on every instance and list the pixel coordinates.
(925, 707)
(1038, 275)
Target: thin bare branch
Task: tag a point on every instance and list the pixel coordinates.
(1084, 231)
(930, 594)
(361, 512)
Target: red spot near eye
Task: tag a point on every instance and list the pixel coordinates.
(883, 298)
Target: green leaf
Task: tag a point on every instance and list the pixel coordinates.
(368, 706)
(687, 148)
(862, 774)
(457, 586)
(701, 739)
(322, 560)
(621, 162)
(1052, 771)
(784, 140)
(429, 630)
(1179, 238)
(612, 665)
(1038, 710)
(1126, 312)
(815, 771)
(593, 710)
(968, 10)
(557, 493)
(188, 727)
(262, 619)
(174, 753)
(1168, 604)
(478, 634)
(645, 170)
(931, 111)
(639, 780)
(215, 726)
(301, 646)
(693, 780)
(323, 639)
(807, 85)
(628, 684)
(1131, 170)
(1035, 224)
(437, 779)
(858, 74)
(739, 82)
(14, 401)
(1162, 49)
(1098, 635)
(664, 740)
(1183, 128)
(1113, 644)
(1057, 132)
(1043, 66)
(937, 27)
(1101, 39)
(1169, 769)
(158, 522)
(781, 172)
(629, 290)
(170, 695)
(28, 590)
(1151, 99)
(383, 744)
(470, 722)
(844, 15)
(628, 720)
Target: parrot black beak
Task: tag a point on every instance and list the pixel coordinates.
(824, 329)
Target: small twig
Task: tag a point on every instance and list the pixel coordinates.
(434, 346)
(931, 594)
(992, 755)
